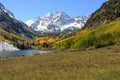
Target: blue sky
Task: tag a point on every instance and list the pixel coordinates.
(27, 9)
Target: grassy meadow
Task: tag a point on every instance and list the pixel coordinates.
(97, 64)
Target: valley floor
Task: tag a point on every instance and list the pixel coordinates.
(98, 64)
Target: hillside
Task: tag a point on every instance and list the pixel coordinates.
(106, 33)
(14, 31)
(9, 23)
(17, 40)
(108, 12)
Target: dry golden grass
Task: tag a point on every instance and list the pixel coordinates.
(98, 64)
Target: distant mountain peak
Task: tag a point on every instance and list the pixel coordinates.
(49, 14)
(60, 13)
(58, 22)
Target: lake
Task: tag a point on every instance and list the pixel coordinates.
(5, 54)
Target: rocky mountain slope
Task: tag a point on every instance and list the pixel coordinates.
(9, 23)
(59, 22)
(108, 12)
(14, 31)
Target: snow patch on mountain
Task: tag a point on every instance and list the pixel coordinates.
(7, 47)
(59, 22)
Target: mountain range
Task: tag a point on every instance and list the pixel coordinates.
(16, 32)
(102, 29)
(59, 22)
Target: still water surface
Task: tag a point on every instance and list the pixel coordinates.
(4, 54)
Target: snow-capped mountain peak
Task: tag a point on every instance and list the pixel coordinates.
(59, 22)
(60, 14)
(61, 18)
(47, 16)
